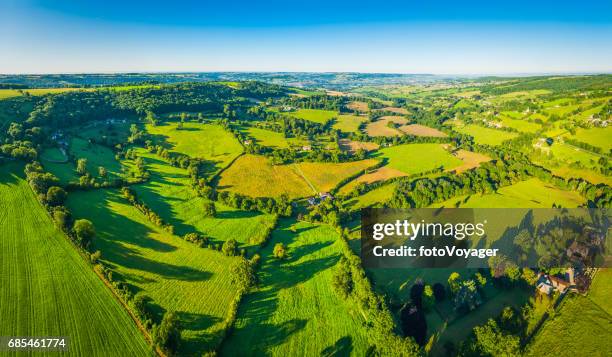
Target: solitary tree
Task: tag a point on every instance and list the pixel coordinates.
(82, 166)
(280, 251)
(209, 209)
(56, 196)
(102, 171)
(84, 231)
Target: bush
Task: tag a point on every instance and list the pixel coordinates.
(167, 336)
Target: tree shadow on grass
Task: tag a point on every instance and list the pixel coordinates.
(117, 232)
(278, 275)
(343, 347)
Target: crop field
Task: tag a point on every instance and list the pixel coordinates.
(206, 141)
(296, 301)
(381, 126)
(58, 293)
(381, 174)
(177, 275)
(358, 106)
(255, 176)
(354, 146)
(273, 139)
(470, 160)
(372, 198)
(169, 194)
(315, 115)
(422, 130)
(417, 158)
(396, 110)
(529, 193)
(349, 123)
(325, 176)
(485, 136)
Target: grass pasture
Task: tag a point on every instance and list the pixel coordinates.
(519, 124)
(176, 275)
(295, 311)
(169, 194)
(486, 136)
(46, 287)
(580, 328)
(315, 115)
(206, 141)
(96, 155)
(416, 158)
(349, 123)
(372, 198)
(600, 137)
(531, 193)
(272, 138)
(9, 93)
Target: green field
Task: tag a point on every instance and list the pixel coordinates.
(417, 158)
(600, 137)
(206, 141)
(529, 193)
(47, 289)
(372, 198)
(53, 154)
(169, 194)
(579, 328)
(272, 138)
(349, 123)
(177, 275)
(96, 155)
(9, 93)
(521, 125)
(315, 115)
(295, 311)
(485, 136)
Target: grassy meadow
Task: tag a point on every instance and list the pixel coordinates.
(417, 158)
(46, 287)
(315, 115)
(175, 274)
(349, 123)
(273, 139)
(206, 141)
(295, 311)
(529, 193)
(169, 194)
(485, 136)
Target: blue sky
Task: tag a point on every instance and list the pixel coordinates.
(444, 37)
